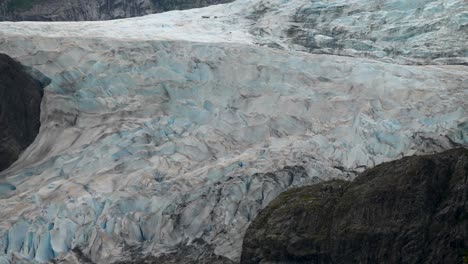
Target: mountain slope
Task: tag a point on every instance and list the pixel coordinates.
(79, 10)
(412, 210)
(169, 130)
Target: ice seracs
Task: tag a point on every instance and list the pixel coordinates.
(155, 137)
(416, 32)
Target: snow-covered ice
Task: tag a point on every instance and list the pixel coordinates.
(408, 32)
(155, 130)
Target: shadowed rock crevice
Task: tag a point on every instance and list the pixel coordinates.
(20, 101)
(413, 210)
(198, 252)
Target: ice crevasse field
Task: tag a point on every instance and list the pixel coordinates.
(162, 130)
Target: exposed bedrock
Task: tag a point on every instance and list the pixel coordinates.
(20, 100)
(79, 10)
(412, 210)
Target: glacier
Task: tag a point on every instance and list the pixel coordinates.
(163, 130)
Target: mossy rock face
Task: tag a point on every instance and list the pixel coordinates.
(22, 5)
(407, 211)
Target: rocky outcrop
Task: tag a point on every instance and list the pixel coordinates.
(413, 210)
(20, 100)
(196, 253)
(79, 10)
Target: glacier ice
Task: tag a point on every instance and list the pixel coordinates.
(158, 138)
(406, 32)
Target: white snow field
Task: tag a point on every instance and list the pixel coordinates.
(158, 131)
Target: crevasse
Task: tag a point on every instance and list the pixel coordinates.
(155, 143)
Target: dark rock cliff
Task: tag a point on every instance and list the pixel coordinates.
(413, 210)
(79, 10)
(20, 101)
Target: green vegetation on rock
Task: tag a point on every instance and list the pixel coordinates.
(21, 5)
(408, 211)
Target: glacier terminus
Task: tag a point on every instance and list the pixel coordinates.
(176, 129)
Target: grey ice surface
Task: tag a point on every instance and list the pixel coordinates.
(160, 130)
